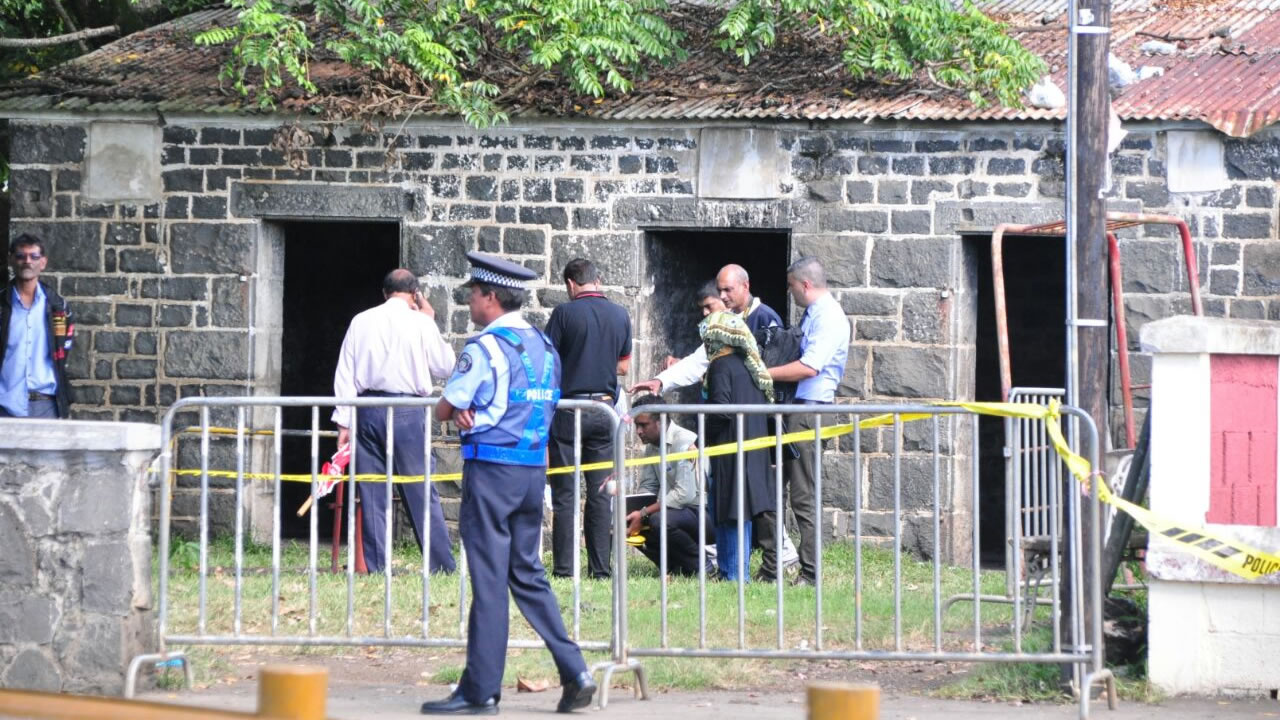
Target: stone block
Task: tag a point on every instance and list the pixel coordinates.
(32, 669)
(908, 165)
(615, 255)
(211, 248)
(1252, 158)
(854, 381)
(922, 190)
(843, 257)
(568, 190)
(30, 193)
(1016, 190)
(1255, 197)
(839, 220)
(110, 342)
(72, 246)
(952, 165)
(1247, 225)
(909, 372)
(18, 560)
(876, 329)
(859, 191)
(230, 302)
(94, 648)
(924, 318)
(1224, 281)
(438, 249)
(1152, 267)
(46, 144)
(318, 200)
(911, 222)
(212, 354)
(915, 483)
(106, 580)
(868, 303)
(524, 241)
(1262, 269)
(26, 618)
(953, 216)
(923, 262)
(94, 503)
(891, 192)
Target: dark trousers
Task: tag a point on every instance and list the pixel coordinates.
(682, 539)
(44, 408)
(797, 476)
(500, 522)
(408, 459)
(597, 445)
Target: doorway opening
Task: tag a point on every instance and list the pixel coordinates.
(332, 270)
(679, 262)
(1035, 292)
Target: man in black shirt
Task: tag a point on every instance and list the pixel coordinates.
(593, 337)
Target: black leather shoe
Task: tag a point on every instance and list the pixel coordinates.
(455, 704)
(577, 693)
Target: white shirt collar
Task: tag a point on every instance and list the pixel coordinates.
(512, 319)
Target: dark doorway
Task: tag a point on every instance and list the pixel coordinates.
(332, 270)
(1035, 292)
(679, 262)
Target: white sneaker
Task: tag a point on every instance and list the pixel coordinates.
(789, 555)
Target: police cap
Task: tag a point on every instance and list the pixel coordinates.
(496, 271)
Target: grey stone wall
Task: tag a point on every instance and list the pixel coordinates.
(163, 293)
(75, 572)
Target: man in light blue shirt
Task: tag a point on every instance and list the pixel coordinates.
(824, 347)
(35, 335)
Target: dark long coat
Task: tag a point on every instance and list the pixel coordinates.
(729, 382)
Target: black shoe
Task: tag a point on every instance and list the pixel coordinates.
(577, 693)
(455, 704)
(802, 580)
(764, 576)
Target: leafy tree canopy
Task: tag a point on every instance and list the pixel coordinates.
(437, 47)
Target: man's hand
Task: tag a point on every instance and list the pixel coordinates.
(344, 436)
(633, 523)
(654, 386)
(422, 306)
(464, 419)
(669, 361)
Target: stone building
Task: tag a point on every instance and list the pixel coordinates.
(212, 249)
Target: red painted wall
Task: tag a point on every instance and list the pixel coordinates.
(1242, 431)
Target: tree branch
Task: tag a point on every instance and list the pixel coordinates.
(59, 39)
(71, 25)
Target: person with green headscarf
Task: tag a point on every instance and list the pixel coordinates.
(736, 376)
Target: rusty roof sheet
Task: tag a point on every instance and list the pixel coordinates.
(1231, 83)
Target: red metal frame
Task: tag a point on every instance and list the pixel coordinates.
(1115, 221)
(338, 492)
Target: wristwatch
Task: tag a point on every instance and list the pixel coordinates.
(644, 513)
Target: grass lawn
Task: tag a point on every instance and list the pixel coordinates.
(594, 618)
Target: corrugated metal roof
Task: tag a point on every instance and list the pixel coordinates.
(1231, 83)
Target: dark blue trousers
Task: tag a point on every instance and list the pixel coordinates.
(408, 459)
(500, 521)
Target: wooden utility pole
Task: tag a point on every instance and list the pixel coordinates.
(1087, 164)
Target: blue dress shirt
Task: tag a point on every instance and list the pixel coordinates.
(28, 365)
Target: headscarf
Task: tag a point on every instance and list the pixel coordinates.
(724, 333)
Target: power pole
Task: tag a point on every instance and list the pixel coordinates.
(1088, 291)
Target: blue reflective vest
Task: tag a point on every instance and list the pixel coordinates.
(520, 435)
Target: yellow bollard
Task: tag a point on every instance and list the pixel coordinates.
(843, 701)
(292, 692)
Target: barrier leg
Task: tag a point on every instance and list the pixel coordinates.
(135, 669)
(1109, 683)
(843, 701)
(292, 692)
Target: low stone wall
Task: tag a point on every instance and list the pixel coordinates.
(75, 553)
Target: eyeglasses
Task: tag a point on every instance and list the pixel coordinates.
(32, 256)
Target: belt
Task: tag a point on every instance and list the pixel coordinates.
(33, 395)
(606, 397)
(806, 401)
(380, 393)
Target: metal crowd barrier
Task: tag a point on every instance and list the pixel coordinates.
(1033, 511)
(270, 410)
(847, 638)
(970, 645)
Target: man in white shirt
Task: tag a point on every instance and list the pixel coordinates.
(393, 350)
(824, 348)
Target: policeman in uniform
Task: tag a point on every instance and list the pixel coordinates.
(501, 396)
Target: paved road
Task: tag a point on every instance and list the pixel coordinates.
(400, 703)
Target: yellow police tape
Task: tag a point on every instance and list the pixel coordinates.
(1221, 552)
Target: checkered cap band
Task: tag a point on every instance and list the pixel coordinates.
(490, 277)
